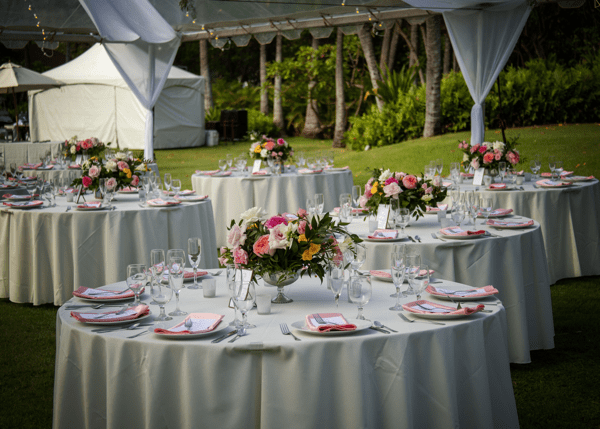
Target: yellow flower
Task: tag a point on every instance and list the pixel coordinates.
(314, 248)
(302, 237)
(257, 149)
(128, 172)
(307, 256)
(374, 188)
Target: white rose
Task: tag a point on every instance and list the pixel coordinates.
(86, 165)
(252, 215)
(465, 157)
(346, 245)
(73, 150)
(385, 175)
(264, 153)
(427, 197)
(279, 237)
(498, 145)
(111, 165)
(121, 156)
(141, 167)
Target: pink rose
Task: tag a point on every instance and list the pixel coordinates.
(278, 237)
(391, 180)
(369, 184)
(488, 158)
(362, 201)
(302, 213)
(482, 149)
(513, 157)
(235, 237)
(94, 171)
(223, 259)
(475, 148)
(424, 186)
(392, 190)
(135, 180)
(280, 153)
(269, 145)
(86, 181)
(475, 164)
(399, 176)
(111, 184)
(261, 247)
(302, 227)
(240, 256)
(122, 165)
(409, 181)
(498, 156)
(281, 142)
(429, 190)
(274, 221)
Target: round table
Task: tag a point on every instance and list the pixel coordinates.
(232, 195)
(49, 252)
(19, 190)
(513, 261)
(65, 175)
(423, 376)
(569, 219)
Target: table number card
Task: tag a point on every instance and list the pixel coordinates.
(245, 276)
(256, 166)
(383, 214)
(80, 193)
(478, 177)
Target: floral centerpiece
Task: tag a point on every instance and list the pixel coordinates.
(488, 155)
(91, 147)
(413, 192)
(120, 172)
(268, 148)
(285, 245)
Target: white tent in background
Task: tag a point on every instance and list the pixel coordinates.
(95, 101)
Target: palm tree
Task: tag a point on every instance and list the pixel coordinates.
(312, 124)
(340, 102)
(205, 72)
(277, 105)
(433, 47)
(366, 42)
(264, 94)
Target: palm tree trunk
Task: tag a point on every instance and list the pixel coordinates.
(385, 50)
(366, 43)
(312, 124)
(205, 72)
(340, 101)
(277, 105)
(447, 54)
(413, 59)
(393, 46)
(264, 94)
(433, 48)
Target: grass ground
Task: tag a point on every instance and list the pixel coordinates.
(559, 389)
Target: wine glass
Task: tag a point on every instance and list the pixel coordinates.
(222, 165)
(502, 168)
(230, 276)
(157, 264)
(176, 185)
(474, 209)
(398, 271)
(403, 218)
(356, 194)
(31, 188)
(310, 206)
(335, 272)
(413, 268)
(535, 168)
(244, 298)
(439, 165)
(229, 159)
(161, 292)
(485, 206)
(358, 258)
(558, 169)
(136, 280)
(345, 208)
(48, 194)
(421, 281)
(469, 200)
(102, 187)
(458, 214)
(55, 185)
(552, 164)
(359, 292)
(167, 180)
(194, 254)
(175, 265)
(319, 204)
(300, 160)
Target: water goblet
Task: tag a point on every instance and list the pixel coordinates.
(161, 293)
(458, 213)
(552, 165)
(230, 276)
(335, 273)
(470, 198)
(176, 186)
(319, 204)
(359, 256)
(413, 269)
(421, 281)
(136, 280)
(175, 265)
(394, 212)
(157, 264)
(310, 206)
(345, 213)
(244, 298)
(229, 159)
(194, 254)
(439, 165)
(359, 292)
(502, 168)
(102, 187)
(558, 168)
(403, 218)
(222, 165)
(474, 210)
(167, 180)
(533, 165)
(398, 271)
(485, 205)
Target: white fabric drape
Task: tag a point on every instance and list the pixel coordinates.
(145, 59)
(482, 39)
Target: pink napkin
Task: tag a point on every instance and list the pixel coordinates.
(8, 186)
(385, 274)
(75, 166)
(309, 171)
(207, 172)
(130, 314)
(459, 232)
(225, 173)
(552, 184)
(501, 212)
(101, 294)
(24, 204)
(260, 173)
(191, 197)
(563, 174)
(160, 202)
(339, 323)
(91, 204)
(129, 189)
(428, 307)
(467, 174)
(201, 322)
(39, 164)
(384, 234)
(17, 197)
(479, 292)
(48, 167)
(438, 208)
(354, 210)
(497, 186)
(493, 222)
(186, 192)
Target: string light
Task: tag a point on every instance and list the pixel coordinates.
(38, 24)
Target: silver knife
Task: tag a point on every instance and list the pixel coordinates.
(222, 337)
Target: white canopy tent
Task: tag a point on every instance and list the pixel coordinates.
(96, 101)
(482, 34)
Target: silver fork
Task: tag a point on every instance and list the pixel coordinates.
(418, 238)
(436, 237)
(320, 320)
(286, 331)
(68, 208)
(406, 319)
(121, 311)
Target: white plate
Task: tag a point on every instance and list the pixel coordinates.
(382, 279)
(438, 316)
(29, 207)
(223, 325)
(310, 172)
(106, 300)
(461, 298)
(384, 240)
(259, 175)
(164, 205)
(337, 169)
(128, 192)
(19, 198)
(576, 179)
(508, 188)
(461, 237)
(361, 325)
(511, 227)
(85, 209)
(118, 322)
(191, 199)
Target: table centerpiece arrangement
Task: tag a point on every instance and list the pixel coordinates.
(120, 172)
(271, 151)
(89, 148)
(489, 155)
(413, 192)
(280, 249)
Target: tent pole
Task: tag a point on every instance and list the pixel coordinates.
(16, 112)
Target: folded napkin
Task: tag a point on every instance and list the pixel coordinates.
(129, 189)
(563, 174)
(447, 184)
(75, 166)
(384, 234)
(39, 164)
(427, 307)
(223, 174)
(459, 232)
(17, 197)
(552, 183)
(578, 178)
(112, 316)
(479, 292)
(467, 174)
(501, 212)
(185, 192)
(260, 173)
(186, 274)
(191, 197)
(47, 167)
(378, 273)
(201, 322)
(91, 293)
(160, 202)
(24, 204)
(309, 171)
(497, 186)
(334, 322)
(90, 205)
(354, 210)
(208, 172)
(338, 168)
(493, 222)
(438, 208)
(68, 191)
(8, 186)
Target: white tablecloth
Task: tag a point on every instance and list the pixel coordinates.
(570, 221)
(515, 263)
(65, 175)
(23, 152)
(47, 253)
(424, 376)
(275, 194)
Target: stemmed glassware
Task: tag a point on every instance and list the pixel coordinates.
(439, 165)
(194, 254)
(176, 185)
(335, 272)
(454, 171)
(31, 188)
(535, 166)
(394, 212)
(319, 204)
(345, 213)
(167, 180)
(474, 209)
(502, 168)
(558, 169)
(176, 264)
(102, 187)
(356, 194)
(230, 275)
(458, 214)
(421, 281)
(359, 292)
(398, 271)
(485, 205)
(229, 159)
(413, 269)
(161, 293)
(240, 164)
(358, 258)
(244, 299)
(403, 218)
(469, 200)
(310, 206)
(552, 165)
(300, 159)
(136, 280)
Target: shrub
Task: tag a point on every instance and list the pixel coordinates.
(261, 124)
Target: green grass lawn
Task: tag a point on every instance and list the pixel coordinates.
(559, 389)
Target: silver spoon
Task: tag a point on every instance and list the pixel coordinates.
(216, 273)
(188, 323)
(68, 208)
(381, 325)
(241, 333)
(418, 238)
